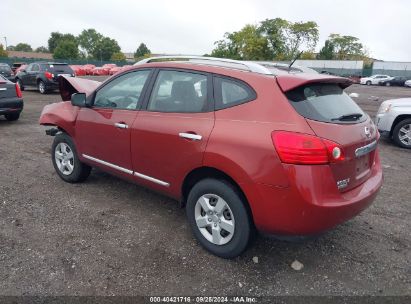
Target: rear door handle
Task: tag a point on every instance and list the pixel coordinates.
(190, 136)
(121, 125)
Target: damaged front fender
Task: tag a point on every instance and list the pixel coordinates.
(61, 114)
(64, 114)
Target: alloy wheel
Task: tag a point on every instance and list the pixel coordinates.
(64, 158)
(404, 134)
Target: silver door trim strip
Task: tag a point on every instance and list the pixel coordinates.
(3, 89)
(366, 149)
(146, 177)
(152, 179)
(190, 136)
(108, 164)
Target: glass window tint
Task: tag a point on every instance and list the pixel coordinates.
(176, 91)
(232, 92)
(35, 68)
(123, 92)
(324, 102)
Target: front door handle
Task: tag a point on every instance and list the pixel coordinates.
(190, 136)
(121, 125)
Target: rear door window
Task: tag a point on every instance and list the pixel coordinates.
(179, 92)
(326, 103)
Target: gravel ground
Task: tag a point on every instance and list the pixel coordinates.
(109, 237)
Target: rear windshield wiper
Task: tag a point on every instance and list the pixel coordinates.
(348, 117)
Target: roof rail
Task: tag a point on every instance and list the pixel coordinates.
(229, 63)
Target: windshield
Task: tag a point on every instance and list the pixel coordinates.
(326, 103)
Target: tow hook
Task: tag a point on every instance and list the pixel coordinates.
(52, 131)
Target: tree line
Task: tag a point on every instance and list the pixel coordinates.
(271, 39)
(89, 44)
(280, 39)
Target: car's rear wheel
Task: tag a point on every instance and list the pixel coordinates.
(42, 87)
(368, 82)
(387, 84)
(20, 84)
(12, 116)
(402, 133)
(219, 218)
(66, 161)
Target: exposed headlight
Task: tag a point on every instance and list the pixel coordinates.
(385, 108)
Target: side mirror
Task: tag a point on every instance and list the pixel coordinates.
(78, 99)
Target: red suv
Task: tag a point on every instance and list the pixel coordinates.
(244, 146)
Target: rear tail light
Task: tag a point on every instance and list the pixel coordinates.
(18, 91)
(305, 149)
(48, 75)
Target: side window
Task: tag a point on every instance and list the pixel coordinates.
(35, 68)
(123, 92)
(176, 91)
(229, 93)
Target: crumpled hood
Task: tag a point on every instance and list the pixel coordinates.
(71, 85)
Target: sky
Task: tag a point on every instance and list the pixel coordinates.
(192, 27)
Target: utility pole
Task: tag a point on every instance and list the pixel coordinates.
(5, 39)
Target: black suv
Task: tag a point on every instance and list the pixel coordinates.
(11, 100)
(43, 75)
(6, 71)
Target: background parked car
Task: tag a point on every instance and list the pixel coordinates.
(375, 79)
(11, 99)
(43, 75)
(88, 68)
(116, 69)
(6, 71)
(396, 81)
(99, 71)
(78, 70)
(394, 121)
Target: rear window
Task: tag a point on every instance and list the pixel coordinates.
(59, 68)
(326, 103)
(5, 68)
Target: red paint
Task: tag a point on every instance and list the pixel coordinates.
(284, 196)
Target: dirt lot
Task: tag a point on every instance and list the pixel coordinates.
(110, 237)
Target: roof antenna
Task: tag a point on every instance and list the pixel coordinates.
(296, 57)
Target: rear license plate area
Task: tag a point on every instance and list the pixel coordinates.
(362, 165)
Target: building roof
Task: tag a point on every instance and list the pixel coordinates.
(34, 55)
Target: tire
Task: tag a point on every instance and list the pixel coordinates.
(368, 83)
(387, 84)
(42, 87)
(20, 84)
(400, 135)
(65, 160)
(12, 116)
(233, 216)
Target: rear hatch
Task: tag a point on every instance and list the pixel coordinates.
(334, 116)
(6, 71)
(7, 90)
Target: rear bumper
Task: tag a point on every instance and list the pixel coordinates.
(311, 203)
(51, 85)
(11, 105)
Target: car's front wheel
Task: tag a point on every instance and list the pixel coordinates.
(368, 83)
(66, 161)
(402, 134)
(42, 87)
(219, 218)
